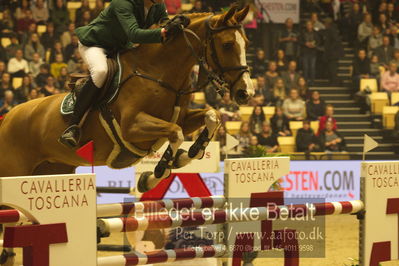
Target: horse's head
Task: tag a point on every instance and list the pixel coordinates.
(226, 52)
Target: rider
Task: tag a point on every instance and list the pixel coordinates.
(122, 23)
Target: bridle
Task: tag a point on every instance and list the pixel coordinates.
(215, 76)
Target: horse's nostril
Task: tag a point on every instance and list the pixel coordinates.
(242, 96)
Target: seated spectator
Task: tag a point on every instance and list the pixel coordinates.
(331, 140)
(288, 40)
(13, 46)
(267, 139)
(40, 12)
(281, 61)
(50, 87)
(263, 95)
(383, 23)
(17, 66)
(328, 117)
(280, 123)
(259, 64)
(198, 7)
(291, 76)
(66, 37)
(244, 137)
(360, 69)
(70, 48)
(256, 120)
(97, 9)
(34, 46)
(60, 17)
(7, 103)
(55, 68)
(33, 94)
(271, 74)
(221, 137)
(57, 49)
(79, 12)
(7, 23)
(24, 22)
(294, 107)
(390, 79)
(392, 14)
(21, 93)
(279, 91)
(385, 51)
(303, 88)
(375, 66)
(74, 62)
(25, 36)
(34, 65)
(5, 83)
(49, 37)
(86, 19)
(44, 73)
(254, 148)
(375, 40)
(364, 30)
(21, 9)
(315, 107)
(306, 140)
(63, 79)
(173, 6)
(228, 109)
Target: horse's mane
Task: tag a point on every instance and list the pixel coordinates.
(194, 16)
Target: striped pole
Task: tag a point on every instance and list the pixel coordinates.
(117, 209)
(208, 216)
(12, 216)
(161, 256)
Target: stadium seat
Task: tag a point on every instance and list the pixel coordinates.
(269, 112)
(73, 5)
(41, 29)
(5, 41)
(388, 114)
(378, 101)
(287, 144)
(233, 127)
(16, 82)
(294, 126)
(394, 98)
(370, 83)
(1, 15)
(245, 112)
(186, 6)
(255, 82)
(315, 126)
(199, 97)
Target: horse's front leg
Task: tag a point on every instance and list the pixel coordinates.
(146, 128)
(193, 120)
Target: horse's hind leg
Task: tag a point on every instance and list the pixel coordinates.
(195, 119)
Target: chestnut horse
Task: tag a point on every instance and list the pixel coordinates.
(144, 108)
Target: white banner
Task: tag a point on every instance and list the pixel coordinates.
(279, 10)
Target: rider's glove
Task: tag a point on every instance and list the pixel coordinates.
(176, 25)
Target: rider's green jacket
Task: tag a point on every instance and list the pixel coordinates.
(123, 22)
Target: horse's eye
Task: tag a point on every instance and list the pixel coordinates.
(228, 45)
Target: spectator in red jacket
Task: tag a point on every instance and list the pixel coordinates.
(173, 6)
(328, 117)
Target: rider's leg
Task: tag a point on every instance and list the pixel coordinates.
(96, 60)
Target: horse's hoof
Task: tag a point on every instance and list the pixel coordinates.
(181, 159)
(142, 184)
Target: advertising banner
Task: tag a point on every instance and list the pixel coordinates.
(280, 10)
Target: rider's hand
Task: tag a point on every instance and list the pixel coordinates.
(175, 26)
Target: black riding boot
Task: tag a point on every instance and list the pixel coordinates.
(87, 96)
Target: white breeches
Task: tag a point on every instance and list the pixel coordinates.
(96, 60)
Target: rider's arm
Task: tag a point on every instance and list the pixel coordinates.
(135, 34)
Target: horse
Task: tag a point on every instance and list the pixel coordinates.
(151, 108)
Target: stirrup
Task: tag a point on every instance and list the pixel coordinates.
(71, 136)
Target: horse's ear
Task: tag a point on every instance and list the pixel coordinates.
(240, 15)
(226, 16)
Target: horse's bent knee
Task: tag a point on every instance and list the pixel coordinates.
(176, 134)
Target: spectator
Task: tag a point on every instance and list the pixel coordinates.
(34, 46)
(291, 76)
(173, 6)
(303, 88)
(34, 65)
(306, 141)
(79, 12)
(317, 25)
(251, 25)
(21, 93)
(74, 62)
(364, 30)
(254, 147)
(13, 46)
(256, 120)
(40, 12)
(390, 79)
(33, 94)
(20, 12)
(309, 42)
(360, 68)
(375, 65)
(280, 123)
(55, 68)
(288, 40)
(267, 139)
(333, 50)
(86, 18)
(49, 37)
(328, 117)
(353, 20)
(260, 63)
(382, 9)
(315, 107)
(279, 91)
(383, 23)
(17, 66)
(8, 103)
(375, 40)
(60, 17)
(50, 87)
(5, 83)
(264, 91)
(221, 137)
(271, 74)
(6, 23)
(392, 14)
(44, 73)
(243, 136)
(2, 68)
(97, 9)
(385, 51)
(63, 79)
(394, 36)
(25, 36)
(331, 140)
(24, 22)
(294, 107)
(66, 37)
(70, 48)
(57, 49)
(228, 109)
(198, 7)
(281, 61)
